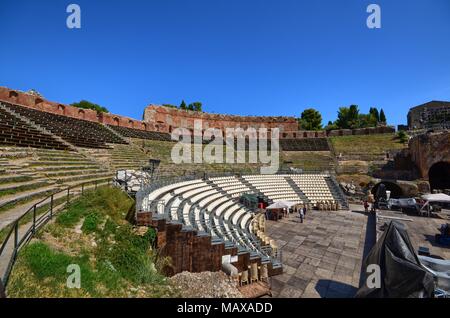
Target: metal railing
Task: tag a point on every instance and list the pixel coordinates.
(24, 228)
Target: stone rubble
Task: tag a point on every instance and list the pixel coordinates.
(205, 285)
(131, 180)
(349, 188)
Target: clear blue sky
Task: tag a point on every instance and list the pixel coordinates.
(247, 57)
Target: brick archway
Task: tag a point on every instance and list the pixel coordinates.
(439, 176)
(396, 190)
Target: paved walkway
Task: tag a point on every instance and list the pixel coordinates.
(322, 257)
(421, 230)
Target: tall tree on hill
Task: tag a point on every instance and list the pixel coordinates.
(348, 117)
(374, 112)
(382, 116)
(331, 126)
(183, 105)
(366, 120)
(197, 106)
(310, 119)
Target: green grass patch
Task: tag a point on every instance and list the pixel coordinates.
(104, 201)
(91, 223)
(367, 144)
(121, 260)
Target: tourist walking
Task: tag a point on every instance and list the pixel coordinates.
(302, 215)
(366, 206)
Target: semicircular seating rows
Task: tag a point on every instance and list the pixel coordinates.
(211, 205)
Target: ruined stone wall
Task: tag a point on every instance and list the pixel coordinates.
(361, 131)
(427, 149)
(35, 102)
(178, 118)
(165, 119)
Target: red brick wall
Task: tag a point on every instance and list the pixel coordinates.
(164, 119)
(23, 99)
(193, 253)
(175, 118)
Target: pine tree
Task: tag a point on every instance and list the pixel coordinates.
(311, 119)
(183, 105)
(374, 112)
(382, 116)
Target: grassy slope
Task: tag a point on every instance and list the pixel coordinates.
(368, 144)
(115, 260)
(162, 151)
(308, 160)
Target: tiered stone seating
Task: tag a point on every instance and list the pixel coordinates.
(29, 175)
(141, 134)
(210, 207)
(206, 208)
(16, 132)
(305, 144)
(121, 157)
(81, 133)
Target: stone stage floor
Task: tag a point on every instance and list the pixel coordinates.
(322, 256)
(421, 230)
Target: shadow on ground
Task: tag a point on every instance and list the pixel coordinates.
(432, 240)
(332, 289)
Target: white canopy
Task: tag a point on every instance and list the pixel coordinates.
(436, 197)
(281, 205)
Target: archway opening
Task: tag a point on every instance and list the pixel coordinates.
(396, 190)
(439, 176)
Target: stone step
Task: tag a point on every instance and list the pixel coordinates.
(10, 201)
(76, 183)
(62, 158)
(45, 169)
(69, 179)
(60, 163)
(8, 179)
(74, 172)
(19, 190)
(33, 184)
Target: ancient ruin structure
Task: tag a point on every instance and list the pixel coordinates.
(434, 114)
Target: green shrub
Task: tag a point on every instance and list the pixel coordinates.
(84, 104)
(91, 223)
(402, 136)
(131, 255)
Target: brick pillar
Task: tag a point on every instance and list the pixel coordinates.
(202, 254)
(144, 218)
